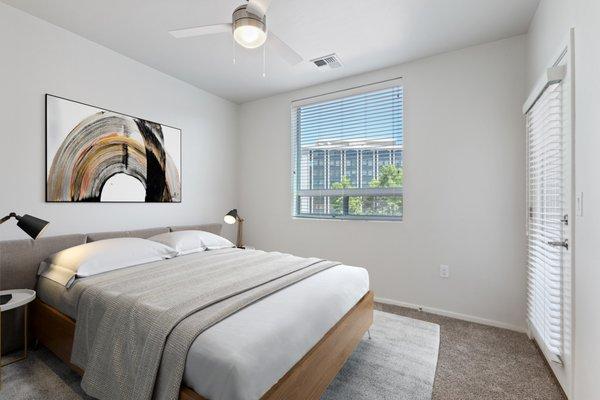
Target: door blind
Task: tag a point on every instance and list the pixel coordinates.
(546, 222)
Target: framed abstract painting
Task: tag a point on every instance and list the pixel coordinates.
(97, 155)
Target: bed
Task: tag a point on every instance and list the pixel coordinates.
(289, 344)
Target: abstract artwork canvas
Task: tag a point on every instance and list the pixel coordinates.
(96, 155)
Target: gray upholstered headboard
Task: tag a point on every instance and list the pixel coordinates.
(19, 261)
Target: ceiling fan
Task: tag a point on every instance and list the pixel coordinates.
(249, 29)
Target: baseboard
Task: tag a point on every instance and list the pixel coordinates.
(452, 314)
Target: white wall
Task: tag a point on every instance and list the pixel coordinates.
(548, 30)
(550, 25)
(464, 180)
(38, 58)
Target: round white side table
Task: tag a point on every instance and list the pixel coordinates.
(20, 298)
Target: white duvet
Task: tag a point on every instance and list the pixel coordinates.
(241, 357)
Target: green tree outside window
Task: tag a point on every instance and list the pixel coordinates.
(389, 177)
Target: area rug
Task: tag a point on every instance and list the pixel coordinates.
(398, 362)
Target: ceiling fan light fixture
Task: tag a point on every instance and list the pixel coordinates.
(249, 30)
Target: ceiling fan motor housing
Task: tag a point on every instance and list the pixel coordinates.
(242, 19)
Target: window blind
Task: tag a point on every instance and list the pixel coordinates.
(348, 155)
(545, 222)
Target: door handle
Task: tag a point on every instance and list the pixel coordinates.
(563, 243)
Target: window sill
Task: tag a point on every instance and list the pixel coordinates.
(345, 219)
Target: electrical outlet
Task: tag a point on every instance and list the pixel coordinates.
(444, 271)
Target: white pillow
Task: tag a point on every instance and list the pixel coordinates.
(184, 242)
(101, 256)
(187, 242)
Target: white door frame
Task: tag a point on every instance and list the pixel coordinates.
(565, 56)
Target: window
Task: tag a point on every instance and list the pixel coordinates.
(348, 154)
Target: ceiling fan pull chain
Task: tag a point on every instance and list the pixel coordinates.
(233, 48)
(264, 72)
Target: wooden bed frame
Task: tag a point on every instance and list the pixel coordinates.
(307, 380)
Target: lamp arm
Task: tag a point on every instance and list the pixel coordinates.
(239, 238)
(9, 216)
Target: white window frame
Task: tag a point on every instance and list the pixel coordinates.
(339, 94)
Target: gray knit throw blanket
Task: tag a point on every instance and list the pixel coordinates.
(136, 325)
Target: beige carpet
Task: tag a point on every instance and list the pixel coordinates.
(398, 362)
(479, 362)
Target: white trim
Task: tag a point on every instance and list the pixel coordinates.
(455, 315)
(565, 373)
(338, 94)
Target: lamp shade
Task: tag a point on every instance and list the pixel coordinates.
(31, 225)
(231, 217)
(249, 30)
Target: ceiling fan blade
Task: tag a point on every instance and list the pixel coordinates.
(285, 51)
(258, 7)
(201, 30)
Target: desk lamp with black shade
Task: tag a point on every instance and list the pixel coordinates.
(30, 225)
(231, 218)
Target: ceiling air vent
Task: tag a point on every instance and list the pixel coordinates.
(331, 61)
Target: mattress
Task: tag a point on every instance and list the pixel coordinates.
(241, 357)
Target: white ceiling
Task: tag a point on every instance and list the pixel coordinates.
(366, 34)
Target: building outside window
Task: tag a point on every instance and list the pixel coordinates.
(351, 166)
